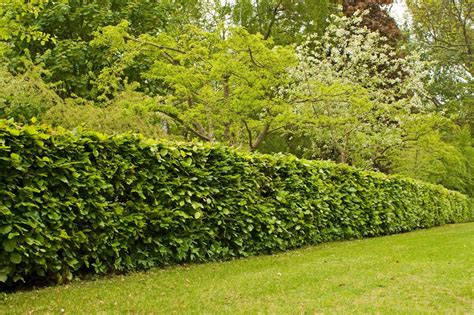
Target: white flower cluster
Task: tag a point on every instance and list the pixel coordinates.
(350, 53)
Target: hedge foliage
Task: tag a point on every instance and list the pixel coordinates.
(73, 204)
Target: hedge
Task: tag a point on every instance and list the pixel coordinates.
(77, 204)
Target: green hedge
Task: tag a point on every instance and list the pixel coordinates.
(74, 204)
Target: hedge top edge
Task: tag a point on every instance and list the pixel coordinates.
(45, 132)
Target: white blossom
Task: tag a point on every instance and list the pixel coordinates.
(349, 52)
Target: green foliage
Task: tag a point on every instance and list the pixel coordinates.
(215, 70)
(24, 96)
(58, 33)
(352, 92)
(126, 113)
(286, 21)
(438, 151)
(12, 13)
(445, 29)
(383, 275)
(219, 88)
(83, 203)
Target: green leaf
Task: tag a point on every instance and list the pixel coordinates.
(63, 234)
(249, 203)
(3, 276)
(4, 210)
(15, 258)
(15, 157)
(9, 245)
(5, 229)
(14, 132)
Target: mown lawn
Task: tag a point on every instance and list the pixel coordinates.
(429, 271)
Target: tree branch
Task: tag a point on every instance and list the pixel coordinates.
(249, 132)
(261, 136)
(176, 118)
(254, 61)
(272, 21)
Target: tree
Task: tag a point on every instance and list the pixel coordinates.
(25, 96)
(377, 18)
(286, 21)
(123, 114)
(447, 27)
(436, 150)
(355, 92)
(446, 30)
(354, 54)
(222, 85)
(58, 34)
(11, 14)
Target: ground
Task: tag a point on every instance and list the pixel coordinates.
(427, 271)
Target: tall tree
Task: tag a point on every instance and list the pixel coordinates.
(436, 150)
(446, 30)
(376, 19)
(355, 92)
(219, 88)
(286, 21)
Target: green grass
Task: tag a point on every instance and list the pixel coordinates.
(429, 271)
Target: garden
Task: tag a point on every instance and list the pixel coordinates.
(201, 156)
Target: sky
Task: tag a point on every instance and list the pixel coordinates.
(399, 11)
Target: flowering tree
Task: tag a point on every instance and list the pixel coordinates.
(350, 53)
(354, 91)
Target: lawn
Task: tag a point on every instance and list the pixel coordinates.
(427, 271)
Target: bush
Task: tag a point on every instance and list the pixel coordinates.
(83, 203)
(112, 119)
(24, 96)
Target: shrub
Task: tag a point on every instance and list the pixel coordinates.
(73, 204)
(24, 96)
(111, 119)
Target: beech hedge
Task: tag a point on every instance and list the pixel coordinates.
(78, 204)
